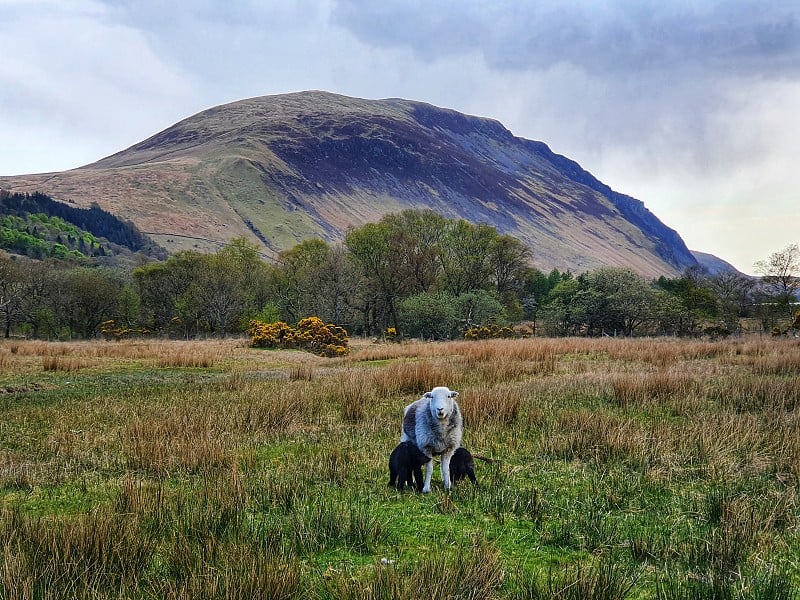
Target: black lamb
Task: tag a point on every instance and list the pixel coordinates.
(462, 465)
(406, 460)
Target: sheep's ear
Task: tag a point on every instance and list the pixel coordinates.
(453, 394)
(427, 395)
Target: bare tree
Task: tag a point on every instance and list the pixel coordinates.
(781, 274)
(10, 291)
(734, 292)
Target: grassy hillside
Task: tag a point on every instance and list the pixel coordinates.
(625, 469)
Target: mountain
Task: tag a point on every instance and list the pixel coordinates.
(281, 169)
(713, 264)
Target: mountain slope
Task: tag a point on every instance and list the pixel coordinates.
(712, 264)
(280, 169)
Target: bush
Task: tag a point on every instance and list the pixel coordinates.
(491, 331)
(271, 335)
(429, 316)
(110, 330)
(311, 334)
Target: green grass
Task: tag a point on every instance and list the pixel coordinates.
(625, 469)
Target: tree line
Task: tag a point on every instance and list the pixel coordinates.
(414, 273)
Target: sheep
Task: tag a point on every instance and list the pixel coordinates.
(435, 425)
(406, 460)
(462, 465)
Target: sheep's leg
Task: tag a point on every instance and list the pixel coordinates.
(471, 475)
(446, 470)
(428, 475)
(418, 478)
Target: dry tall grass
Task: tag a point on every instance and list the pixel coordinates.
(185, 438)
(484, 405)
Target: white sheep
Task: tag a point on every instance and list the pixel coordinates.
(435, 425)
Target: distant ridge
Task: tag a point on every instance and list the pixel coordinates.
(713, 264)
(281, 169)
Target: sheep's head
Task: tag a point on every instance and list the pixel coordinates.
(441, 402)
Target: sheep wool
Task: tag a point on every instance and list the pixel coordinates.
(434, 423)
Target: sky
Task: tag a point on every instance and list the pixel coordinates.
(692, 107)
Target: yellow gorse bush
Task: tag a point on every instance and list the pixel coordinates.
(311, 334)
(485, 332)
(110, 330)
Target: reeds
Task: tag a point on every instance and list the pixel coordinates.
(742, 392)
(603, 581)
(301, 372)
(414, 377)
(472, 573)
(185, 438)
(64, 363)
(353, 392)
(632, 390)
(192, 358)
(102, 550)
(491, 405)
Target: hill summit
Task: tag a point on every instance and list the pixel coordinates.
(281, 169)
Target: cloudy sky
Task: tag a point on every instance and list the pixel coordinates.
(691, 106)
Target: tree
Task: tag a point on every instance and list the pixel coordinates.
(480, 307)
(509, 263)
(733, 291)
(37, 312)
(89, 297)
(129, 305)
(698, 300)
(230, 288)
(464, 257)
(296, 283)
(166, 290)
(626, 301)
(781, 275)
(11, 290)
(218, 292)
(561, 315)
(371, 249)
(337, 285)
(415, 242)
(430, 316)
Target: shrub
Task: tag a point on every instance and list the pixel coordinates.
(311, 334)
(271, 335)
(431, 316)
(485, 332)
(110, 330)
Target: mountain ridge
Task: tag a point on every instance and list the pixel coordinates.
(280, 169)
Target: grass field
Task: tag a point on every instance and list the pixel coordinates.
(201, 470)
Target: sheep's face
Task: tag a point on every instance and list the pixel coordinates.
(441, 402)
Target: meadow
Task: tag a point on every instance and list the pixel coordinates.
(623, 468)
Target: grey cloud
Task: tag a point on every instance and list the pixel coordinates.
(731, 36)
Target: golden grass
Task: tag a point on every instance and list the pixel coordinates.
(415, 377)
(65, 363)
(639, 389)
(301, 372)
(185, 438)
(491, 405)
